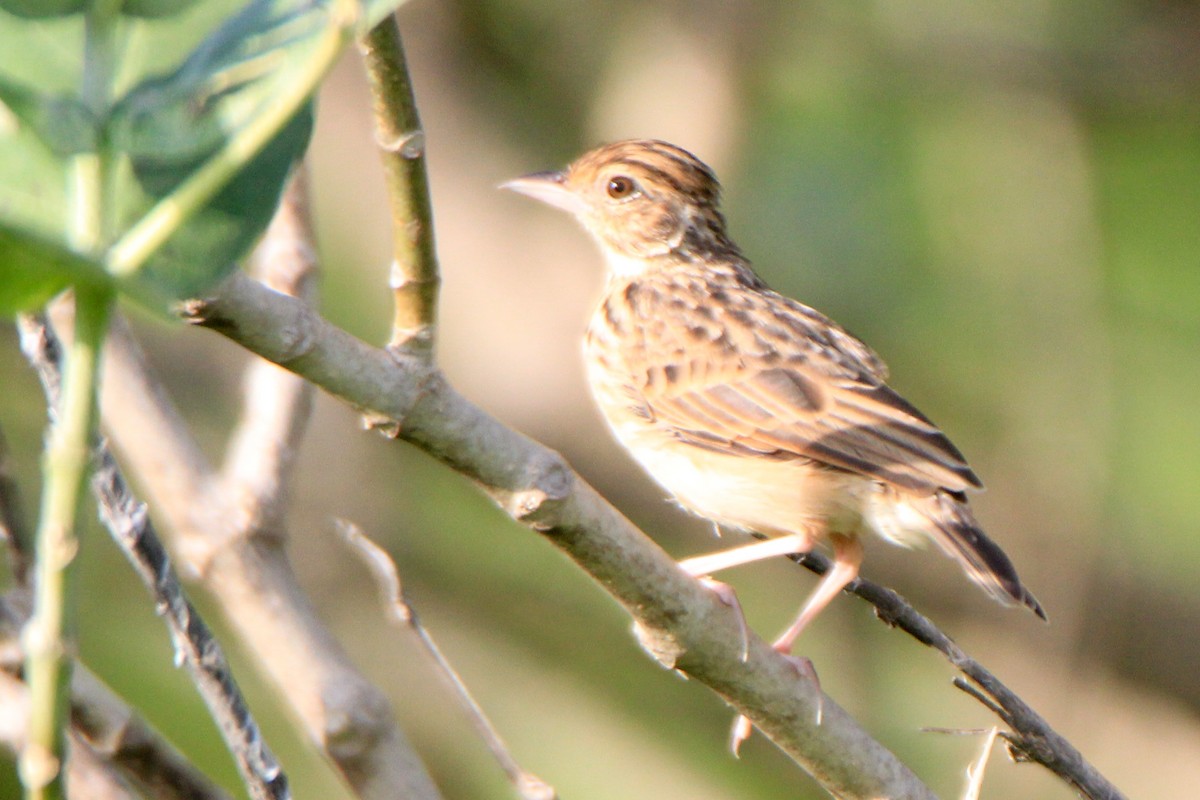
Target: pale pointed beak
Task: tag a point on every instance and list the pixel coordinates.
(549, 187)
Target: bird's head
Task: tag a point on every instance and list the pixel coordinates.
(643, 200)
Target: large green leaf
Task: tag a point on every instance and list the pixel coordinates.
(33, 269)
(204, 106)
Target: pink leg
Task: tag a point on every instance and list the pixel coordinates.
(755, 551)
(847, 557)
(701, 566)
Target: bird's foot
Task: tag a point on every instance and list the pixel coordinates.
(728, 596)
(804, 667)
(742, 726)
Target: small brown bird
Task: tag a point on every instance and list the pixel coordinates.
(752, 409)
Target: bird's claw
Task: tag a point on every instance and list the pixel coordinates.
(804, 667)
(728, 596)
(739, 733)
(742, 726)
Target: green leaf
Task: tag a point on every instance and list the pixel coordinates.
(171, 127)
(34, 269)
(205, 249)
(190, 113)
(188, 105)
(38, 9)
(155, 8)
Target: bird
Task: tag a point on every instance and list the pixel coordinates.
(751, 409)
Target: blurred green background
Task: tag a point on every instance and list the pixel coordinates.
(1002, 199)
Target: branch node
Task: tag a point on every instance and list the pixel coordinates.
(197, 311)
(662, 646)
(412, 342)
(407, 144)
(540, 505)
(531, 787)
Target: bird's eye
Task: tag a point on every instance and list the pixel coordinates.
(620, 187)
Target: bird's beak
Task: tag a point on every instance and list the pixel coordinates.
(549, 187)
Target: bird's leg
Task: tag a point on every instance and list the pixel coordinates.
(847, 557)
(755, 551)
(702, 566)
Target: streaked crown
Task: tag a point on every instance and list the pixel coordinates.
(641, 199)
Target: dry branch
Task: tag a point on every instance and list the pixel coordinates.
(1031, 737)
(227, 529)
(195, 646)
(400, 612)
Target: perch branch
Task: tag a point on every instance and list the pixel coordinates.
(1032, 738)
(679, 621)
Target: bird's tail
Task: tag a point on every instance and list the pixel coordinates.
(953, 527)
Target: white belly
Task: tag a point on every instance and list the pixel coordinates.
(759, 494)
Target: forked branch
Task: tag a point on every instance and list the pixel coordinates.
(195, 646)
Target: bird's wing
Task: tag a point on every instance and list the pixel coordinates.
(798, 386)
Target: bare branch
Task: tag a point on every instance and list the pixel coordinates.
(276, 404)
(679, 621)
(194, 644)
(1033, 739)
(116, 733)
(528, 785)
(231, 534)
(414, 279)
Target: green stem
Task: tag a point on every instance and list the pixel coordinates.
(415, 279)
(292, 90)
(46, 638)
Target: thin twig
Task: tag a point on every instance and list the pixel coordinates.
(1033, 739)
(977, 769)
(400, 612)
(414, 279)
(194, 644)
